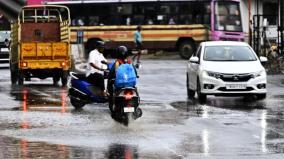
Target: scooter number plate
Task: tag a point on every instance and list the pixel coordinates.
(128, 109)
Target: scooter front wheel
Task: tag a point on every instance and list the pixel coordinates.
(77, 103)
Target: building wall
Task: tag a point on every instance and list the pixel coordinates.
(245, 12)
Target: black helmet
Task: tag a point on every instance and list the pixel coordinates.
(99, 44)
(122, 52)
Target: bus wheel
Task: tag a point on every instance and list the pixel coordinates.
(186, 49)
(21, 78)
(64, 78)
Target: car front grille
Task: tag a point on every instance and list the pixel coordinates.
(236, 77)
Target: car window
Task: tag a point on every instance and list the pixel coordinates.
(229, 53)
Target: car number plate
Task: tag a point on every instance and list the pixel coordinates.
(128, 109)
(236, 86)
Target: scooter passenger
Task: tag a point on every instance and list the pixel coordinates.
(122, 58)
(96, 68)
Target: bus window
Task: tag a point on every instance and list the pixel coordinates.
(93, 20)
(138, 19)
(124, 9)
(120, 14)
(167, 13)
(227, 16)
(144, 13)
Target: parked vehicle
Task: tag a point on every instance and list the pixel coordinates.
(225, 68)
(41, 44)
(5, 31)
(4, 55)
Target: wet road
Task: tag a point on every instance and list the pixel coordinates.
(37, 121)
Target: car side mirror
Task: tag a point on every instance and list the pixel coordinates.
(263, 59)
(194, 59)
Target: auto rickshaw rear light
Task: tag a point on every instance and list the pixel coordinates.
(63, 64)
(24, 64)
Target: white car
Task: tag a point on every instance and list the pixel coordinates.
(225, 68)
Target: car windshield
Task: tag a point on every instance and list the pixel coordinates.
(228, 53)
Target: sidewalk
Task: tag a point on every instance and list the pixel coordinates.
(275, 66)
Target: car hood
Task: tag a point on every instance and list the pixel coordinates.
(232, 67)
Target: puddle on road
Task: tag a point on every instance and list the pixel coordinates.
(122, 151)
(232, 103)
(11, 148)
(270, 122)
(44, 98)
(191, 107)
(278, 96)
(22, 125)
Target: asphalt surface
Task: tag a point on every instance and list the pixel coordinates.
(37, 121)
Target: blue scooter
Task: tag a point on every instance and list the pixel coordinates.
(81, 92)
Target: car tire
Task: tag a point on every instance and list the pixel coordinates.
(261, 96)
(190, 92)
(201, 97)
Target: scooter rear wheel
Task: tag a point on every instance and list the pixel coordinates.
(77, 103)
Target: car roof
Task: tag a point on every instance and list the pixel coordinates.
(222, 43)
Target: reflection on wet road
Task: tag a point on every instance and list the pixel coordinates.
(38, 121)
(24, 149)
(38, 97)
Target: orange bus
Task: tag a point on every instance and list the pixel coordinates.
(179, 25)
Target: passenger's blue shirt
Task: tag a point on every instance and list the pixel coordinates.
(137, 37)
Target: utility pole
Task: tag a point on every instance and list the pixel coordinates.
(256, 29)
(249, 22)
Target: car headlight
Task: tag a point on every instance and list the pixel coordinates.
(214, 74)
(259, 73)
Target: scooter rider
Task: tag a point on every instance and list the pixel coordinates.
(96, 68)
